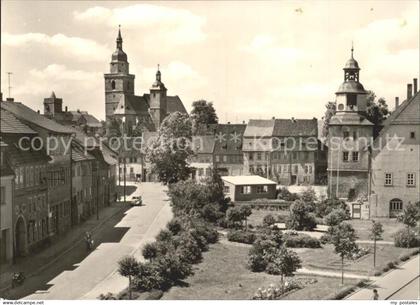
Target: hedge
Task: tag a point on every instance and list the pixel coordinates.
(301, 241)
(240, 236)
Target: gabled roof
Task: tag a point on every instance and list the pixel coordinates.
(295, 127)
(259, 128)
(27, 115)
(203, 144)
(173, 103)
(229, 138)
(10, 124)
(91, 121)
(20, 156)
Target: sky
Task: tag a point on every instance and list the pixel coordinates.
(251, 59)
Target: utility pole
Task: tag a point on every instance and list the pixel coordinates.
(8, 78)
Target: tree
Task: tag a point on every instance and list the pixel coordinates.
(376, 231)
(329, 112)
(239, 214)
(343, 237)
(128, 266)
(114, 127)
(169, 152)
(245, 211)
(410, 215)
(283, 262)
(376, 111)
(335, 217)
(300, 217)
(202, 115)
(308, 196)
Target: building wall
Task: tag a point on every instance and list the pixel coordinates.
(235, 194)
(350, 184)
(6, 220)
(398, 161)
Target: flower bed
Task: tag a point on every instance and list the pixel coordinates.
(276, 292)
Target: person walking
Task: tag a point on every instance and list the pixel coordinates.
(375, 294)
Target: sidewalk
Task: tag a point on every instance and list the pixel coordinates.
(34, 264)
(391, 282)
(333, 274)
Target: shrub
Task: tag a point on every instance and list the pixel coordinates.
(309, 197)
(335, 217)
(269, 220)
(164, 235)
(285, 194)
(256, 262)
(406, 238)
(391, 265)
(325, 239)
(302, 241)
(341, 294)
(282, 218)
(172, 268)
(240, 236)
(210, 212)
(188, 248)
(325, 207)
(404, 257)
(107, 296)
(300, 218)
(150, 251)
(148, 277)
(174, 226)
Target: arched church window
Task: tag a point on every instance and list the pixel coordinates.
(113, 84)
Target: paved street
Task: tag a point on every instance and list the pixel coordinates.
(391, 282)
(409, 292)
(95, 274)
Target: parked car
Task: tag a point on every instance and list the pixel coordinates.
(136, 201)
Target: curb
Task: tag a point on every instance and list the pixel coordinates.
(402, 287)
(58, 256)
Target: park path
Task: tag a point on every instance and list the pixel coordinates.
(97, 273)
(333, 274)
(391, 282)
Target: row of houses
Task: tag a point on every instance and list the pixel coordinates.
(52, 178)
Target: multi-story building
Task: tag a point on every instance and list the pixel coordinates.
(285, 150)
(395, 161)
(56, 140)
(83, 121)
(228, 155)
(30, 217)
(202, 161)
(6, 207)
(350, 134)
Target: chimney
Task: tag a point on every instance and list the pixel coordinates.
(65, 108)
(397, 102)
(37, 111)
(414, 86)
(409, 91)
(293, 119)
(228, 123)
(243, 122)
(10, 99)
(273, 118)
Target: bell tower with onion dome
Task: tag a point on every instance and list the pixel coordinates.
(119, 83)
(349, 136)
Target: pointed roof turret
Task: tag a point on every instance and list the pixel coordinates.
(119, 54)
(52, 95)
(158, 83)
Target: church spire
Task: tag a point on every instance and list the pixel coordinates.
(158, 74)
(119, 38)
(352, 49)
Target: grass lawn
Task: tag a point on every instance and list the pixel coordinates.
(390, 226)
(325, 258)
(223, 275)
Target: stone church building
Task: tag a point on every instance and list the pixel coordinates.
(147, 110)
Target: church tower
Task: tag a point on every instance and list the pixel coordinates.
(118, 83)
(158, 103)
(350, 133)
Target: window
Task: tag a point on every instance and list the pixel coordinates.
(200, 171)
(226, 189)
(412, 135)
(345, 156)
(259, 189)
(354, 135)
(2, 195)
(246, 189)
(259, 156)
(113, 84)
(388, 179)
(251, 156)
(411, 179)
(346, 135)
(396, 205)
(355, 156)
(310, 169)
(296, 169)
(265, 188)
(224, 158)
(306, 169)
